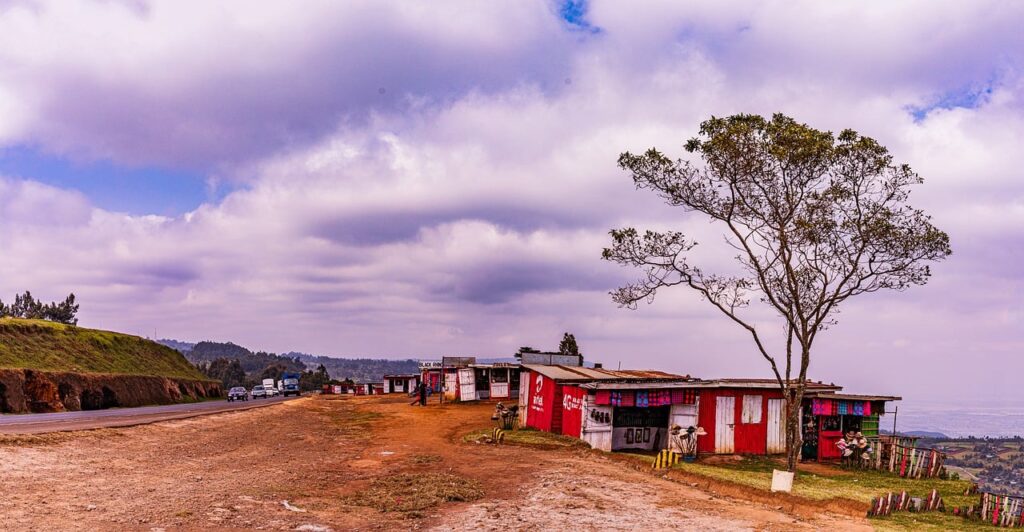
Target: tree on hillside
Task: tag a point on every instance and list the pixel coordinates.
(314, 380)
(568, 345)
(273, 371)
(28, 307)
(228, 372)
(814, 220)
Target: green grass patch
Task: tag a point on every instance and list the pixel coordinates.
(47, 346)
(928, 521)
(851, 484)
(530, 437)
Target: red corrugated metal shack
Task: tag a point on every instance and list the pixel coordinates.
(611, 410)
(744, 416)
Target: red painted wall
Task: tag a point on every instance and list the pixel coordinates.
(573, 398)
(541, 402)
(750, 438)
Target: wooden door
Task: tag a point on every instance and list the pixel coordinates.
(451, 386)
(725, 424)
(776, 426)
(467, 384)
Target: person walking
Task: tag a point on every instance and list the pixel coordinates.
(423, 394)
(417, 394)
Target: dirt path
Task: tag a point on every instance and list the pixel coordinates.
(235, 470)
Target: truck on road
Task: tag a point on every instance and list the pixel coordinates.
(268, 385)
(289, 384)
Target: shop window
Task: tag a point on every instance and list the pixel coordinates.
(751, 409)
(499, 376)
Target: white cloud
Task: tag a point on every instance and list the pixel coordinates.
(470, 218)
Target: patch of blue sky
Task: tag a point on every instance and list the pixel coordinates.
(132, 190)
(575, 13)
(965, 98)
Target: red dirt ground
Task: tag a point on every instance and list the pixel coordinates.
(235, 470)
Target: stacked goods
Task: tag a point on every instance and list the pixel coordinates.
(1002, 510)
(887, 504)
(908, 462)
(645, 398)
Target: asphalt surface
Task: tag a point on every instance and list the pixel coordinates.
(122, 417)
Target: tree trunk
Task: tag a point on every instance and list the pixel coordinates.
(794, 440)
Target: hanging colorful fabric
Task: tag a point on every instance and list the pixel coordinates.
(628, 398)
(603, 397)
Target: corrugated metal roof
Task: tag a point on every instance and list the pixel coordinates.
(762, 383)
(853, 397)
(582, 374)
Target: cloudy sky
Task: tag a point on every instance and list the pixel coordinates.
(416, 179)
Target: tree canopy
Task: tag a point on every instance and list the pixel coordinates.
(813, 219)
(28, 307)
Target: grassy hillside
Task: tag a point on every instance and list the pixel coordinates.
(48, 346)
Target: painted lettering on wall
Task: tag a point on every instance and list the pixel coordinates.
(537, 403)
(572, 403)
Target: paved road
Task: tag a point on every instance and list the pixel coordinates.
(121, 417)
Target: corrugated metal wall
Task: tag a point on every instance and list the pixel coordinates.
(776, 426)
(572, 401)
(541, 402)
(748, 438)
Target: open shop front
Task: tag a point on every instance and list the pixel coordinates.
(636, 419)
(826, 418)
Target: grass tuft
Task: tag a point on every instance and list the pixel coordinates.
(531, 438)
(412, 493)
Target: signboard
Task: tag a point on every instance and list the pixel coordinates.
(457, 362)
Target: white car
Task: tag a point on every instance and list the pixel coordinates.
(259, 391)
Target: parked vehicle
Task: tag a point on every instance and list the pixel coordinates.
(259, 391)
(268, 385)
(238, 394)
(290, 384)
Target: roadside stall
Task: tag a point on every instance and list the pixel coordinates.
(827, 416)
(610, 410)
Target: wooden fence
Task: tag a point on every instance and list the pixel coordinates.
(999, 510)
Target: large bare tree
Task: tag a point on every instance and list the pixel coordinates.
(814, 219)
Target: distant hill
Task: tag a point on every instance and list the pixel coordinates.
(358, 369)
(49, 346)
(205, 352)
(920, 434)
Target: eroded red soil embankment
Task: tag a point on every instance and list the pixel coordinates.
(25, 390)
